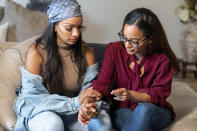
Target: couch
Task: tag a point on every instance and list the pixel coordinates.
(13, 47)
(183, 98)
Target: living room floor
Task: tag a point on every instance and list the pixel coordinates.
(190, 80)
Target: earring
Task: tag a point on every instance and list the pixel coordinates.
(149, 49)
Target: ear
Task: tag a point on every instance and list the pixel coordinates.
(56, 27)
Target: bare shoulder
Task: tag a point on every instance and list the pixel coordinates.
(34, 59)
(89, 54)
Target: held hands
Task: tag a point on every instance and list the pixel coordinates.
(90, 92)
(87, 110)
(121, 94)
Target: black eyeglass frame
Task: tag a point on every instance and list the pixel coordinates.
(133, 43)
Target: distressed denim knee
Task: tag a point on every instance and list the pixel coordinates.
(148, 117)
(101, 123)
(145, 109)
(46, 121)
(140, 120)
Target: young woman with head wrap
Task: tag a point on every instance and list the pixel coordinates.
(58, 67)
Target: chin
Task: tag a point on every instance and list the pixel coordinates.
(131, 52)
(71, 42)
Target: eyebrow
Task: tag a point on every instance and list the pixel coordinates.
(72, 24)
(133, 38)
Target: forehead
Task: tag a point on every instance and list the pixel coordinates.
(73, 21)
(132, 31)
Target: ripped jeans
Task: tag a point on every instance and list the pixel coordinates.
(145, 117)
(50, 121)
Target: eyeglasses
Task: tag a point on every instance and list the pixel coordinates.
(133, 43)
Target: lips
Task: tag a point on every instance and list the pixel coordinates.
(73, 40)
(130, 49)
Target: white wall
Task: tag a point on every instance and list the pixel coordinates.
(103, 18)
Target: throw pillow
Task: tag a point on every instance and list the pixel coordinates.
(10, 78)
(3, 32)
(6, 45)
(23, 23)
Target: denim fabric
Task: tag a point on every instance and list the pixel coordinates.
(71, 123)
(145, 117)
(49, 121)
(101, 122)
(33, 98)
(46, 121)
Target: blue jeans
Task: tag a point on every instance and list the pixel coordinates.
(145, 117)
(50, 121)
(102, 122)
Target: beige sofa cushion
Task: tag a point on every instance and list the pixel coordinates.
(1, 129)
(186, 123)
(5, 45)
(3, 32)
(10, 78)
(23, 23)
(184, 100)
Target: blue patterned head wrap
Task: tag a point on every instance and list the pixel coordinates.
(62, 9)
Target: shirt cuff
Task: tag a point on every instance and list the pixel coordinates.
(76, 102)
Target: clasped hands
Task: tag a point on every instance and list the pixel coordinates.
(88, 98)
(88, 108)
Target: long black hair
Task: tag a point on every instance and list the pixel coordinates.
(53, 75)
(152, 28)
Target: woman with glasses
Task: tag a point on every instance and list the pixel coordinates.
(141, 67)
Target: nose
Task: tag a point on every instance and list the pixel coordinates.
(76, 32)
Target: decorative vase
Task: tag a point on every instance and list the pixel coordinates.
(188, 42)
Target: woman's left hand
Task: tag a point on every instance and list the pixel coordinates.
(90, 92)
(121, 94)
(87, 111)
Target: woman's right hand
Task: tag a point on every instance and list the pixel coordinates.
(90, 92)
